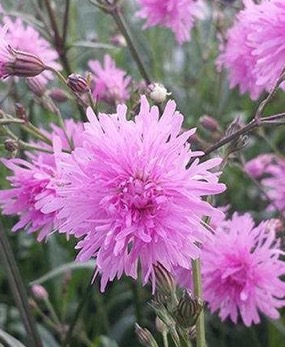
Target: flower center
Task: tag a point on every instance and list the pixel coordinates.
(141, 197)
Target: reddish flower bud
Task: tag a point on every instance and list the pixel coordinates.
(36, 86)
(21, 64)
(209, 123)
(78, 84)
(11, 145)
(58, 95)
(21, 112)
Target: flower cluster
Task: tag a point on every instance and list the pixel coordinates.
(255, 50)
(110, 83)
(177, 15)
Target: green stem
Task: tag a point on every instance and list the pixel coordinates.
(65, 21)
(58, 40)
(200, 325)
(78, 311)
(6, 121)
(165, 338)
(18, 289)
(122, 26)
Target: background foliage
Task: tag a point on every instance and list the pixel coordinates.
(189, 72)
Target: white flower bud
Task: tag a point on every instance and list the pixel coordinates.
(157, 92)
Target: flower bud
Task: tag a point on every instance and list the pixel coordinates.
(157, 92)
(145, 337)
(39, 292)
(188, 310)
(11, 145)
(161, 327)
(21, 112)
(209, 123)
(58, 95)
(21, 64)
(78, 84)
(193, 333)
(164, 281)
(239, 142)
(119, 40)
(36, 86)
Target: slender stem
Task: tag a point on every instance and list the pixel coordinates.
(58, 41)
(122, 26)
(136, 294)
(29, 127)
(270, 95)
(23, 144)
(165, 338)
(7, 121)
(18, 289)
(78, 311)
(246, 129)
(276, 119)
(200, 324)
(65, 21)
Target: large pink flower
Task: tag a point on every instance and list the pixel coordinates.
(33, 183)
(241, 271)
(110, 83)
(177, 15)
(25, 38)
(131, 196)
(255, 51)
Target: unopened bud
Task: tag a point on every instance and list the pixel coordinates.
(39, 292)
(78, 84)
(164, 281)
(157, 92)
(22, 64)
(58, 95)
(209, 123)
(21, 112)
(145, 337)
(11, 145)
(192, 332)
(161, 327)
(36, 86)
(119, 40)
(188, 310)
(239, 142)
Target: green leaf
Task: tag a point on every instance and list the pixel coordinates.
(89, 44)
(9, 340)
(63, 268)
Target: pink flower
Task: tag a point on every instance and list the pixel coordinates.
(256, 167)
(33, 182)
(129, 193)
(24, 38)
(110, 83)
(177, 15)
(241, 271)
(255, 50)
